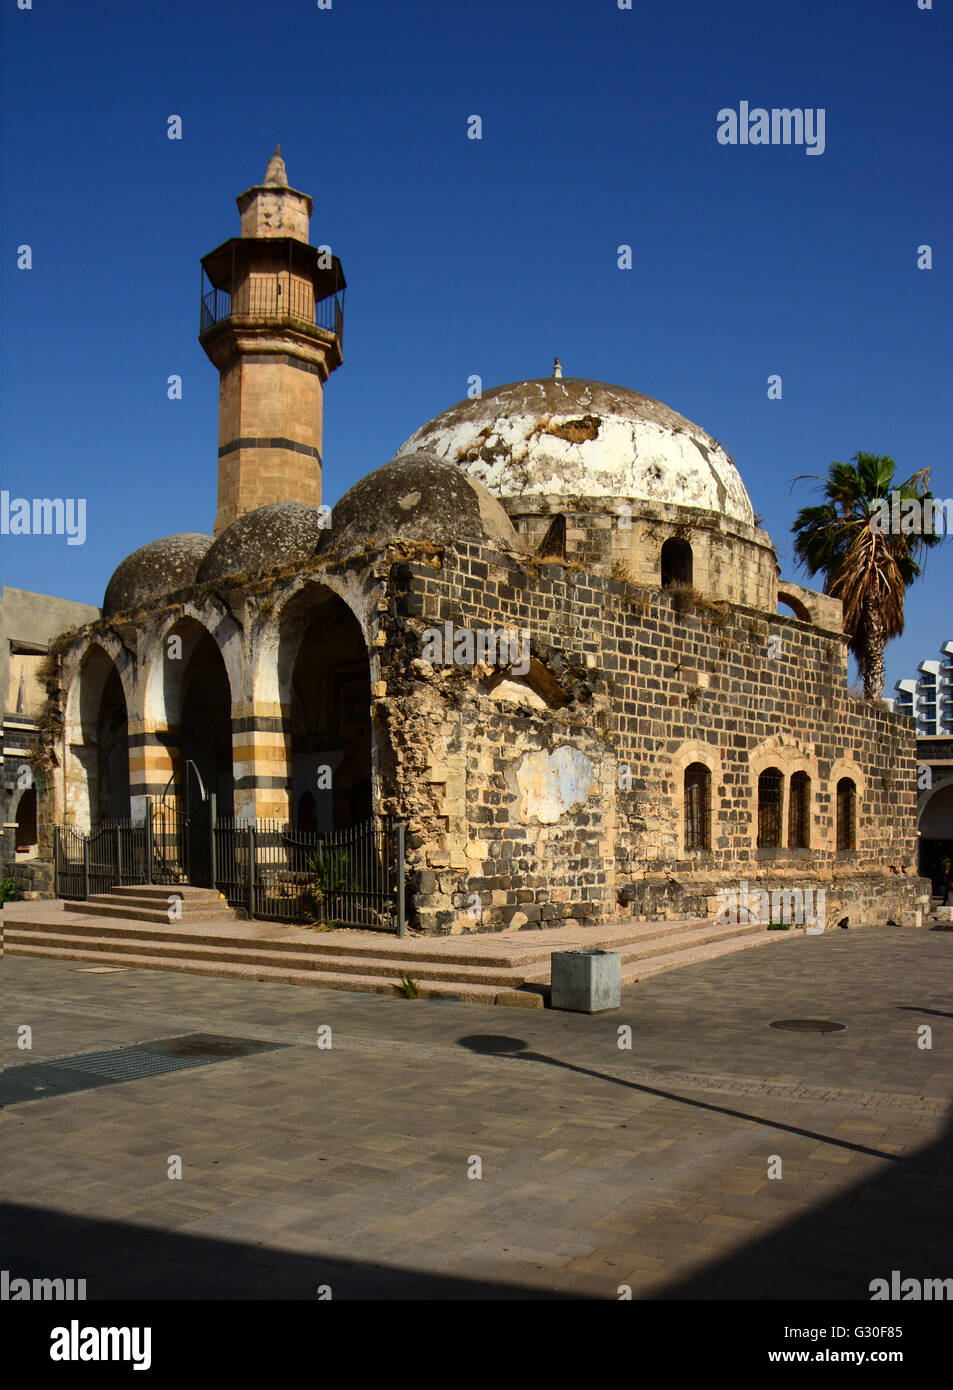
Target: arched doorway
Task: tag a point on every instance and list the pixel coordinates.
(935, 826)
(26, 822)
(112, 740)
(325, 677)
(205, 751)
(98, 739)
(188, 711)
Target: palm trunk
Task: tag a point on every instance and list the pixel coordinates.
(874, 643)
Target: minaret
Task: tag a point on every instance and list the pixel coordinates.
(272, 323)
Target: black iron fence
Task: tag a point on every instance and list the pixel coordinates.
(349, 878)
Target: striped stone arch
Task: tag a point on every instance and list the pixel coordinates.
(271, 665)
(164, 664)
(87, 668)
(277, 633)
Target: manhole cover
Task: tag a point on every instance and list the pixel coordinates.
(808, 1025)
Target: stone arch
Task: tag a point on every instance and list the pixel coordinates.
(538, 688)
(935, 829)
(100, 693)
(270, 679)
(694, 751)
(193, 672)
(796, 605)
(789, 756)
(842, 768)
(25, 813)
(163, 671)
(553, 544)
(312, 729)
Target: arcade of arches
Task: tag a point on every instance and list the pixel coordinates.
(304, 755)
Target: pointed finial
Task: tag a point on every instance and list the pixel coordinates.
(557, 369)
(276, 175)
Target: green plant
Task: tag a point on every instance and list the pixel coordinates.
(331, 872)
(408, 986)
(10, 891)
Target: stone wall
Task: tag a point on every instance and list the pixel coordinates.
(559, 794)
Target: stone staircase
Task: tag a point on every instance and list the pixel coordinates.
(142, 903)
(130, 928)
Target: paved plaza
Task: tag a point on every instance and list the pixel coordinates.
(353, 1167)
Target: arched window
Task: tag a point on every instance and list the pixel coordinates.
(554, 542)
(846, 814)
(697, 807)
(799, 811)
(26, 820)
(677, 565)
(770, 789)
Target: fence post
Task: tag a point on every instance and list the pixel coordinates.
(85, 867)
(56, 861)
(401, 906)
(118, 854)
(148, 839)
(251, 869)
(212, 817)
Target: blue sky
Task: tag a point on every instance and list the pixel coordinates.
(485, 257)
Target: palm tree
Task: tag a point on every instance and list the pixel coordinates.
(865, 563)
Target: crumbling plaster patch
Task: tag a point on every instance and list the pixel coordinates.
(553, 785)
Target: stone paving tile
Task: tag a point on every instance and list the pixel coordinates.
(599, 1167)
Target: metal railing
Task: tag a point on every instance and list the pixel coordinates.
(267, 869)
(274, 297)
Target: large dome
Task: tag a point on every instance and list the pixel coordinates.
(568, 437)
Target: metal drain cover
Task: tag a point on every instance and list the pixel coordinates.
(808, 1025)
(84, 1071)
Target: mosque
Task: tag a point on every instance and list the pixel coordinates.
(647, 716)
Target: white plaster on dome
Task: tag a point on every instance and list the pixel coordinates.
(574, 438)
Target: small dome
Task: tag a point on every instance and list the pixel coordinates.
(154, 570)
(568, 437)
(419, 498)
(283, 533)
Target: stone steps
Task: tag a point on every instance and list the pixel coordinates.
(264, 956)
(151, 903)
(699, 941)
(506, 968)
(465, 991)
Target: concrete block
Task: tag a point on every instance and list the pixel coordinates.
(586, 981)
(944, 914)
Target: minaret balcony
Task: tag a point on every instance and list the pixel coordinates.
(276, 282)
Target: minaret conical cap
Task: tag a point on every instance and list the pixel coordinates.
(276, 175)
